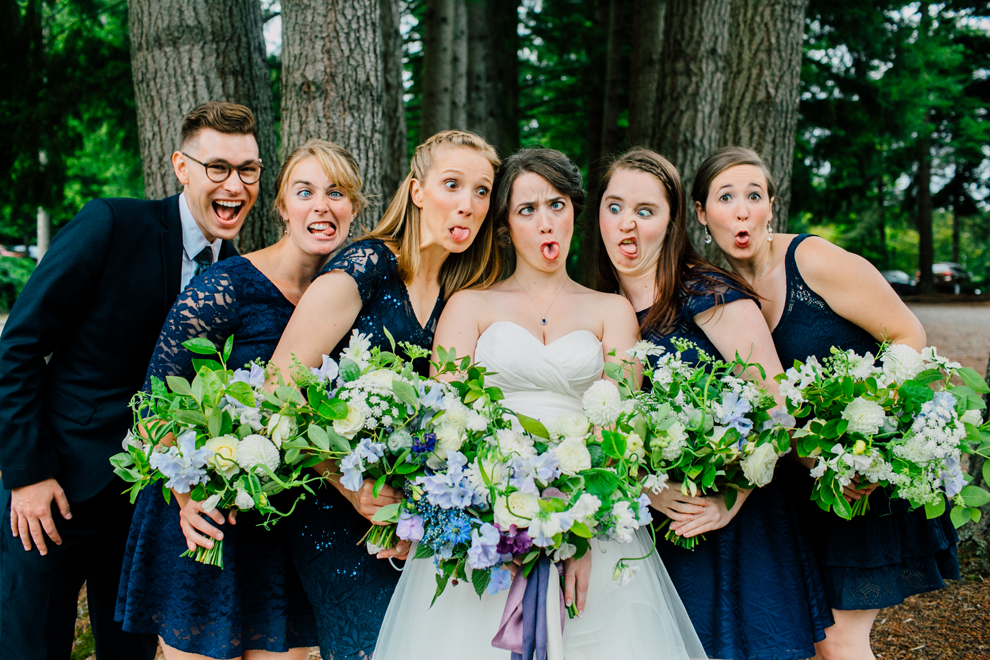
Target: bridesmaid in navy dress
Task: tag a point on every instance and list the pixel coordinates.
(432, 242)
(751, 588)
(255, 607)
(815, 296)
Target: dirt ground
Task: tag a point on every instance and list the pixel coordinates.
(953, 623)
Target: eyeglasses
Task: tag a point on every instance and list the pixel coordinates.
(218, 171)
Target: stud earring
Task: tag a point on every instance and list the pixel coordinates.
(769, 233)
(708, 236)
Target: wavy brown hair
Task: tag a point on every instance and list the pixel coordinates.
(478, 266)
(680, 270)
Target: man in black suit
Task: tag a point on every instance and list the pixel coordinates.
(96, 305)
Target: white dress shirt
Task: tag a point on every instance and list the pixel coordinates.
(193, 242)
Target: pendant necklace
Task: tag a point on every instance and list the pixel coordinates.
(543, 318)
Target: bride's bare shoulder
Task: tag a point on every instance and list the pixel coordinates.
(607, 303)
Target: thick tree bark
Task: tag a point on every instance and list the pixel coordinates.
(692, 75)
(459, 66)
(479, 93)
(396, 156)
(613, 84)
(926, 247)
(333, 87)
(505, 56)
(184, 53)
(438, 72)
(760, 98)
(644, 68)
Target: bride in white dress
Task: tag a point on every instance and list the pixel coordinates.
(544, 336)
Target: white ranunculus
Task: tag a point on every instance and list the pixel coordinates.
(243, 500)
(256, 451)
(634, 446)
(281, 428)
(602, 403)
(573, 426)
(573, 456)
(449, 438)
(511, 443)
(864, 416)
(758, 466)
(211, 502)
(517, 509)
(350, 425)
(224, 451)
(901, 363)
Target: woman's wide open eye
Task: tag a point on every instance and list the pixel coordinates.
(526, 210)
(557, 205)
(482, 192)
(644, 213)
(755, 196)
(450, 184)
(305, 193)
(613, 208)
(725, 197)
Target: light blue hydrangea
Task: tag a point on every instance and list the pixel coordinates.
(501, 580)
(484, 543)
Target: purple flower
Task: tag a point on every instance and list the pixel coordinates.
(327, 371)
(734, 410)
(410, 527)
(182, 463)
(426, 445)
(523, 476)
(501, 579)
(514, 542)
(782, 417)
(255, 377)
(484, 547)
(352, 472)
(369, 451)
(546, 466)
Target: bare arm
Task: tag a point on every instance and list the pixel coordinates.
(857, 292)
(459, 326)
(620, 330)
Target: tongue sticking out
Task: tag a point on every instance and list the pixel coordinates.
(742, 240)
(550, 251)
(226, 212)
(460, 234)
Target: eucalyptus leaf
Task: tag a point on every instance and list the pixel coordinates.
(388, 513)
(179, 385)
(349, 370)
(406, 393)
(319, 437)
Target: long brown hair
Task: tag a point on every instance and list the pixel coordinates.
(478, 266)
(680, 270)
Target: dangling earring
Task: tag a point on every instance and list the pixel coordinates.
(708, 236)
(769, 233)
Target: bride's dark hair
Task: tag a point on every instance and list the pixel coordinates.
(559, 171)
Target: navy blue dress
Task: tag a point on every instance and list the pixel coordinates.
(350, 590)
(752, 589)
(879, 559)
(256, 601)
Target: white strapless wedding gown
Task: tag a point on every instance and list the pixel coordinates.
(643, 619)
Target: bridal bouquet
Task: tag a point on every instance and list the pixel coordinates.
(705, 427)
(221, 438)
(899, 423)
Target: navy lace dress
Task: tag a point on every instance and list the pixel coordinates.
(350, 589)
(752, 589)
(256, 601)
(890, 553)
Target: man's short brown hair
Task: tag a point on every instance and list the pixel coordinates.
(221, 116)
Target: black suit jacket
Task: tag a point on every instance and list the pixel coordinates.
(96, 304)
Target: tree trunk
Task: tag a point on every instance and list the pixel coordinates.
(438, 71)
(184, 53)
(479, 95)
(926, 247)
(692, 76)
(956, 234)
(333, 87)
(459, 66)
(644, 69)
(613, 86)
(504, 23)
(396, 148)
(760, 98)
(882, 222)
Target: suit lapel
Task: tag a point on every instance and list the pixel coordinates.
(227, 250)
(171, 247)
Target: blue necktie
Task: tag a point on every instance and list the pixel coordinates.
(203, 260)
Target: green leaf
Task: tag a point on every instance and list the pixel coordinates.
(338, 441)
(533, 426)
(389, 513)
(405, 393)
(480, 580)
(613, 371)
(228, 346)
(214, 421)
(319, 437)
(842, 508)
(960, 516)
(423, 551)
(613, 444)
(201, 346)
(973, 379)
(197, 389)
(212, 365)
(241, 392)
(975, 496)
(975, 514)
(192, 417)
(929, 376)
(333, 409)
(731, 494)
(600, 482)
(597, 455)
(580, 529)
(935, 510)
(349, 370)
(179, 385)
(379, 484)
(391, 340)
(986, 472)
(406, 468)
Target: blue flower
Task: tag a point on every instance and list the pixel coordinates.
(352, 472)
(644, 514)
(501, 580)
(546, 466)
(426, 445)
(952, 477)
(255, 377)
(432, 398)
(459, 531)
(410, 527)
(369, 451)
(734, 410)
(182, 463)
(484, 547)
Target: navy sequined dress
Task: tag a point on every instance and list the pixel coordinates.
(752, 589)
(350, 589)
(256, 601)
(879, 559)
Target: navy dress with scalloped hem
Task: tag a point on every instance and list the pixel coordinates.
(256, 602)
(350, 589)
(879, 559)
(752, 588)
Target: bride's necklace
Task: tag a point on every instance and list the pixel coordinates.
(543, 317)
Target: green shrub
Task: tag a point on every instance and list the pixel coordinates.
(14, 274)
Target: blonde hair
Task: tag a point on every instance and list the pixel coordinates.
(478, 266)
(337, 163)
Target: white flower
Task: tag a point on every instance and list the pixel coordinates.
(586, 507)
(211, 502)
(131, 440)
(456, 414)
(280, 428)
(758, 466)
(382, 378)
(643, 350)
(602, 403)
(655, 483)
(864, 416)
(573, 456)
(256, 451)
(224, 451)
(974, 417)
(449, 438)
(544, 525)
(565, 551)
(517, 509)
(901, 363)
(244, 500)
(246, 415)
(476, 421)
(358, 349)
(496, 472)
(511, 443)
(634, 447)
(400, 440)
(819, 469)
(674, 442)
(573, 426)
(625, 521)
(790, 391)
(350, 425)
(930, 354)
(624, 573)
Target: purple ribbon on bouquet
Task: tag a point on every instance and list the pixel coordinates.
(523, 629)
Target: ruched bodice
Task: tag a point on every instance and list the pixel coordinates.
(539, 379)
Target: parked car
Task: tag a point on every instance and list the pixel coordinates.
(950, 276)
(899, 281)
(30, 250)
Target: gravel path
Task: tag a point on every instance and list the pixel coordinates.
(961, 332)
